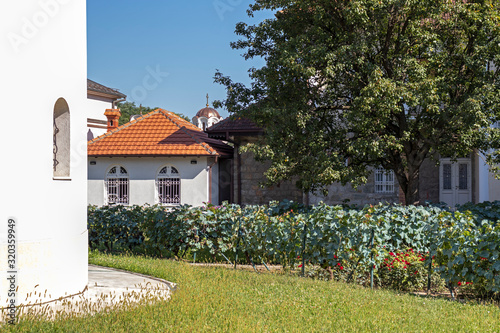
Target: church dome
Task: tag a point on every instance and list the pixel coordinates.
(208, 113)
(206, 117)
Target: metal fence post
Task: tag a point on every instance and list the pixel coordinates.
(194, 255)
(371, 257)
(236, 248)
(429, 274)
(304, 248)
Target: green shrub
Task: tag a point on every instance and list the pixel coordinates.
(349, 243)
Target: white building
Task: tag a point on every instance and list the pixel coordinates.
(158, 158)
(44, 69)
(100, 98)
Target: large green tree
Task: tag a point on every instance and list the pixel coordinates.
(349, 84)
(129, 109)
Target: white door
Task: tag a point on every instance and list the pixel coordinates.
(455, 181)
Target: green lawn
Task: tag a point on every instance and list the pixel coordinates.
(224, 300)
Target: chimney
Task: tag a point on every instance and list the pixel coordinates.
(113, 116)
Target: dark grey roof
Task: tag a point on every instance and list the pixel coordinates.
(97, 87)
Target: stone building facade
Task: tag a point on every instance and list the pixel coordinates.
(245, 172)
(428, 182)
(247, 175)
(360, 196)
(252, 176)
(449, 181)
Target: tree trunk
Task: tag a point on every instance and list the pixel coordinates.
(412, 195)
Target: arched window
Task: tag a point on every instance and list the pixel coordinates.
(117, 186)
(168, 184)
(203, 123)
(61, 139)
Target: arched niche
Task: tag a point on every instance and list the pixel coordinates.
(61, 135)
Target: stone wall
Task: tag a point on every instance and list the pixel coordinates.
(362, 195)
(429, 182)
(252, 176)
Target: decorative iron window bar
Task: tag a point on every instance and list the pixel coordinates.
(55, 149)
(169, 190)
(117, 191)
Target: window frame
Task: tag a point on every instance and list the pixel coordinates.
(121, 183)
(386, 185)
(169, 176)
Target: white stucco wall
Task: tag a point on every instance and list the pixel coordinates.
(494, 188)
(481, 175)
(142, 174)
(43, 52)
(96, 107)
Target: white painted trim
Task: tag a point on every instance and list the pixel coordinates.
(62, 178)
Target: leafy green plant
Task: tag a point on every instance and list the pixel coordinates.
(349, 244)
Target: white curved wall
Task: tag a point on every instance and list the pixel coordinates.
(43, 59)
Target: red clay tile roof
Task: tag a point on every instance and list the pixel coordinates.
(158, 133)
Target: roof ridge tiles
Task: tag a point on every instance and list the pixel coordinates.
(209, 149)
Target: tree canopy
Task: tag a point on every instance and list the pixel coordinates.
(350, 84)
(129, 109)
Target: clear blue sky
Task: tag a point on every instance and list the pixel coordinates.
(165, 53)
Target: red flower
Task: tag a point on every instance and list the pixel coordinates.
(459, 283)
(415, 272)
(391, 253)
(300, 265)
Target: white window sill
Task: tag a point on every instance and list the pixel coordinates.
(62, 178)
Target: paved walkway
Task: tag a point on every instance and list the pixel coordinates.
(109, 281)
(107, 288)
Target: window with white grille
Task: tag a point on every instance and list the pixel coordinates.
(384, 181)
(117, 186)
(168, 184)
